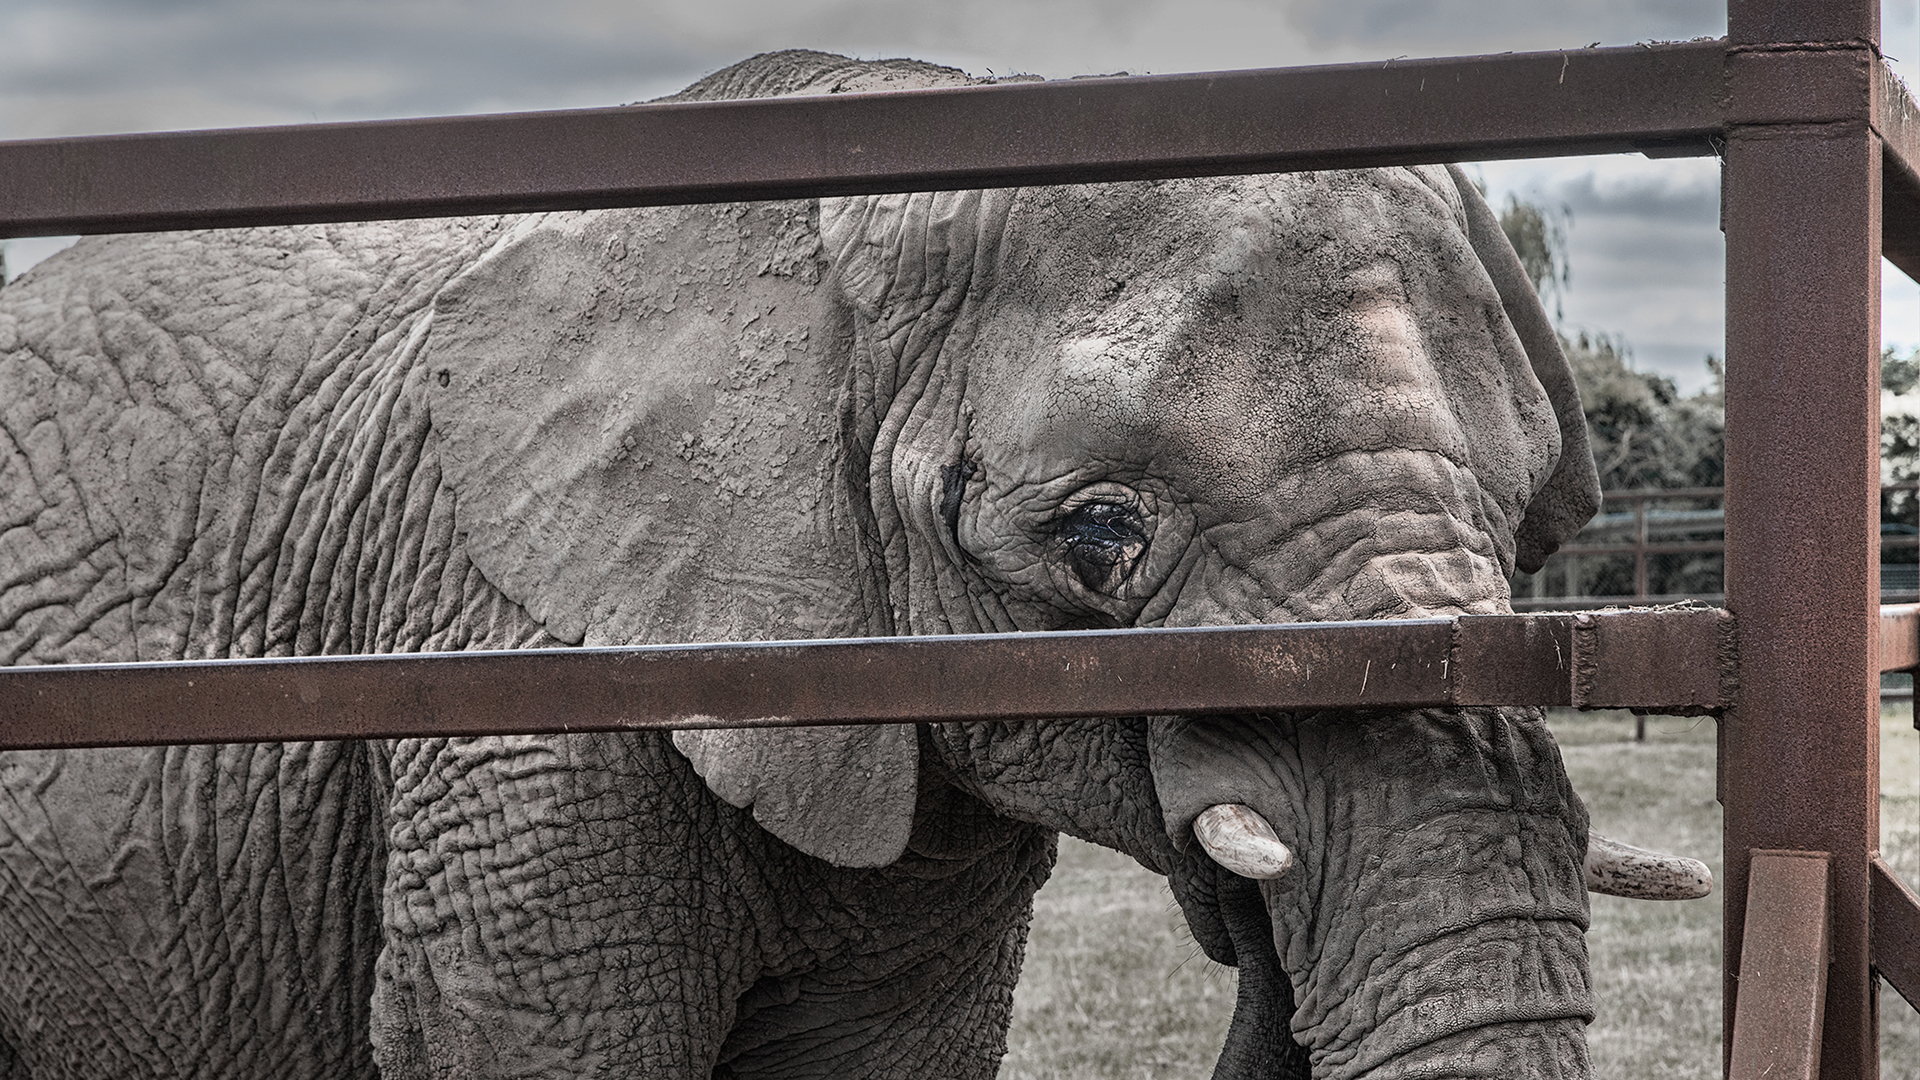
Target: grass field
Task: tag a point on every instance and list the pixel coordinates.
(1116, 988)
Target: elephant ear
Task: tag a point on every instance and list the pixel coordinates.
(638, 413)
(1571, 495)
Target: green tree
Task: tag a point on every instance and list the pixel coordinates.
(1645, 434)
(1539, 237)
(1643, 431)
(1899, 443)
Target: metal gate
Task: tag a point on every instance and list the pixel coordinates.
(1821, 153)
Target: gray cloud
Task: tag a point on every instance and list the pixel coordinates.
(1439, 26)
(91, 66)
(1646, 250)
(108, 65)
(88, 66)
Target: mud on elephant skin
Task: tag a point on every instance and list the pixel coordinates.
(1299, 397)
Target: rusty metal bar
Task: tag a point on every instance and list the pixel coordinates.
(1592, 661)
(1662, 99)
(1896, 932)
(1776, 1030)
(1799, 749)
(1618, 658)
(1899, 127)
(1809, 87)
(1648, 494)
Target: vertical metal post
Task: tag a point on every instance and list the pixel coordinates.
(1800, 748)
(1640, 548)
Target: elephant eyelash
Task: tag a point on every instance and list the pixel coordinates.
(1102, 540)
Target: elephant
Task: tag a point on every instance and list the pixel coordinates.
(1239, 400)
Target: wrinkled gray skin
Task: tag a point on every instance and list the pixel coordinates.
(1299, 397)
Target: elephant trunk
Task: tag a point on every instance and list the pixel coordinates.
(1259, 1042)
(1432, 922)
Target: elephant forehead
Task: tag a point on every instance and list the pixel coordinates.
(1274, 324)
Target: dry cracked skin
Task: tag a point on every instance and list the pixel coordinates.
(1175, 403)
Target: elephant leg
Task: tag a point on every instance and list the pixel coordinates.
(557, 906)
(946, 1017)
(915, 975)
(186, 911)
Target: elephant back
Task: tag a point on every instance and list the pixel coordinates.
(805, 71)
(183, 420)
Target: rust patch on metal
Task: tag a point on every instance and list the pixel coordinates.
(1899, 637)
(1678, 660)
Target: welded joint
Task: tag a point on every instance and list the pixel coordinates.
(1681, 660)
(1847, 45)
(1814, 84)
(1510, 660)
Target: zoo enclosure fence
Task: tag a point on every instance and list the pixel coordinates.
(1820, 148)
(1643, 549)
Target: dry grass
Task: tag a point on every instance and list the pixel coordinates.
(1115, 987)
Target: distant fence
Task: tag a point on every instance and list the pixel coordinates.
(1664, 545)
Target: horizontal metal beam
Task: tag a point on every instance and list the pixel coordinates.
(1806, 87)
(1895, 948)
(1898, 123)
(1663, 99)
(1591, 659)
(1899, 126)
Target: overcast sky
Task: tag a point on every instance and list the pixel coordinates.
(1644, 238)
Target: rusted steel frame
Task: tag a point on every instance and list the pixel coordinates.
(1776, 1032)
(1899, 637)
(1663, 99)
(1799, 749)
(1663, 660)
(1898, 122)
(1896, 932)
(1810, 87)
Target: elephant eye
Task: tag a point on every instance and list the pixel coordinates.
(1102, 542)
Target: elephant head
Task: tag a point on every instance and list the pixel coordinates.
(1175, 403)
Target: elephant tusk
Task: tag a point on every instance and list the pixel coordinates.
(1238, 838)
(1618, 869)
